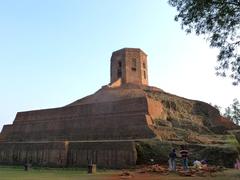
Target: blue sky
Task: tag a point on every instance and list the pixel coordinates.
(53, 52)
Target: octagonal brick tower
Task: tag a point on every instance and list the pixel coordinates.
(130, 66)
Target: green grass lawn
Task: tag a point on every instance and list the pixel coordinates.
(18, 173)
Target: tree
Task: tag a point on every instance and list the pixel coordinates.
(219, 21)
(228, 113)
(236, 111)
(233, 112)
(217, 107)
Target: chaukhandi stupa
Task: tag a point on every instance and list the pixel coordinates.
(118, 126)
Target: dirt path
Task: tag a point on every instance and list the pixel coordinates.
(225, 175)
(152, 176)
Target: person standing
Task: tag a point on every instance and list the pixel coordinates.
(184, 156)
(172, 160)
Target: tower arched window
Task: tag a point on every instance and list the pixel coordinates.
(144, 74)
(119, 64)
(134, 64)
(119, 71)
(144, 65)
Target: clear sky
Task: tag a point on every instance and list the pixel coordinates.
(53, 52)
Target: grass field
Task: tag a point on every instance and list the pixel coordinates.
(17, 173)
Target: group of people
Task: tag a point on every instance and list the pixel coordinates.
(184, 157)
(172, 158)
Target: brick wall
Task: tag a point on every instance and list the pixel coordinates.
(124, 119)
(76, 154)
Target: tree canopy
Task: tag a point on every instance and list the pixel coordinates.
(233, 112)
(219, 21)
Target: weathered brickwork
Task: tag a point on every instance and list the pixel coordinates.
(42, 154)
(113, 120)
(67, 154)
(105, 154)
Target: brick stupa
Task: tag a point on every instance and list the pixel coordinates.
(102, 127)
